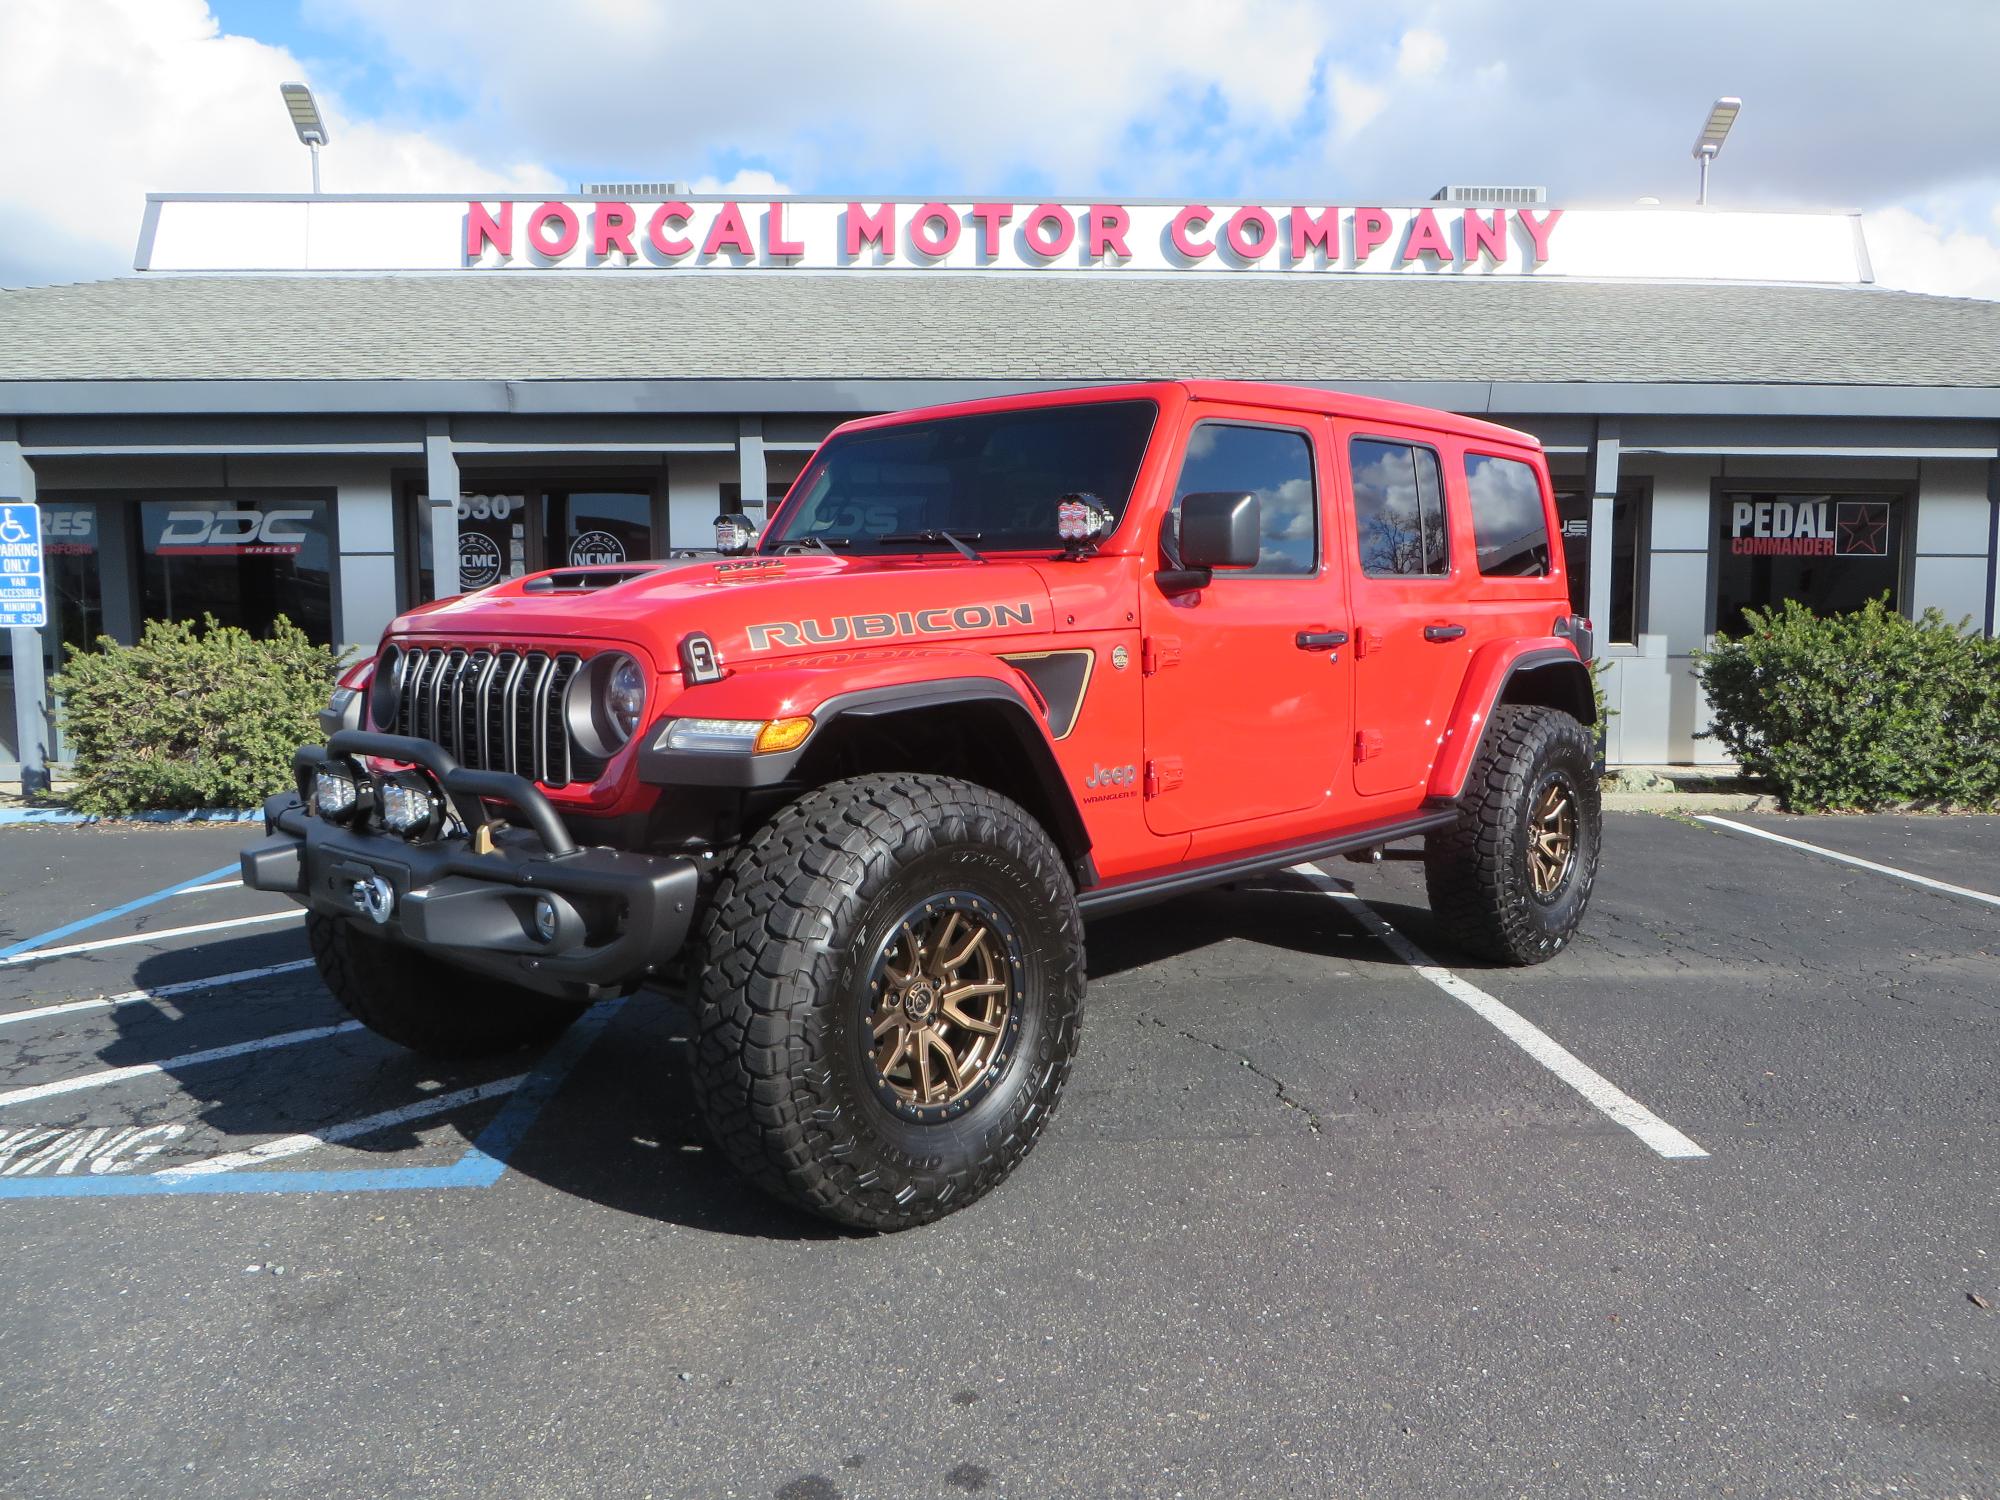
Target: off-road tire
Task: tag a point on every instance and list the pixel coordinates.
(427, 1005)
(784, 1079)
(1477, 871)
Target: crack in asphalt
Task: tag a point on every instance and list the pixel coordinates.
(1280, 1089)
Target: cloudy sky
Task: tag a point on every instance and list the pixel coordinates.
(1313, 100)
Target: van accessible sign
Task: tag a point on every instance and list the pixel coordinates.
(697, 234)
(23, 597)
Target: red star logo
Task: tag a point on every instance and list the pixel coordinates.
(1861, 528)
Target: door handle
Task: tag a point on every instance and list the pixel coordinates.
(1443, 632)
(1319, 640)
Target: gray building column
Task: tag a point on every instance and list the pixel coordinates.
(750, 471)
(442, 487)
(1993, 547)
(1603, 481)
(30, 707)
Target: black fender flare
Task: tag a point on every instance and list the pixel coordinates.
(662, 767)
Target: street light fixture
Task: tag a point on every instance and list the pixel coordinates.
(1708, 145)
(306, 121)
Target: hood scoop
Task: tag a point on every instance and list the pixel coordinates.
(588, 580)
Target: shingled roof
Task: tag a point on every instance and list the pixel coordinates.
(936, 325)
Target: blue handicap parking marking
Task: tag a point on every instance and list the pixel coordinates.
(481, 1166)
(102, 1162)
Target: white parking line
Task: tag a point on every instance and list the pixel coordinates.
(157, 993)
(213, 885)
(36, 955)
(312, 1140)
(187, 1060)
(1852, 859)
(1597, 1090)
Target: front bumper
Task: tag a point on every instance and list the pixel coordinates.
(617, 915)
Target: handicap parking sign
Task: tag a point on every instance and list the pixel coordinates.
(23, 596)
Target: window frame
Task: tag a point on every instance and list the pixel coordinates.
(1901, 490)
(1251, 575)
(1444, 508)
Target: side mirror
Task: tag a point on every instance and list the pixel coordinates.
(1219, 529)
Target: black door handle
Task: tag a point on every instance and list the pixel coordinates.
(1319, 640)
(1443, 632)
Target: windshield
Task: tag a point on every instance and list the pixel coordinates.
(992, 480)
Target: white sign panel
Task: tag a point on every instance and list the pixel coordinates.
(697, 234)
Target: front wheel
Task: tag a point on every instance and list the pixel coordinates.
(424, 1004)
(1510, 880)
(889, 1001)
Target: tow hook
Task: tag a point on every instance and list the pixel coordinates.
(375, 898)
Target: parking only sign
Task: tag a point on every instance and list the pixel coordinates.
(23, 596)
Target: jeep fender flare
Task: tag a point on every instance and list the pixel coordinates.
(1545, 671)
(1004, 696)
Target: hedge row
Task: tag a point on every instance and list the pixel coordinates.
(1860, 711)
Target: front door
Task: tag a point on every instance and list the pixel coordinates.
(1242, 722)
(1405, 578)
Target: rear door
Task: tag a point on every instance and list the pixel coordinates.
(1408, 561)
(1242, 722)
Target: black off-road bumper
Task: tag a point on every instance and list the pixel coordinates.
(535, 910)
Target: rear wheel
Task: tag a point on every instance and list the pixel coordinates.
(1511, 879)
(426, 1005)
(889, 999)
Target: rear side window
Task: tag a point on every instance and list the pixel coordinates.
(1276, 465)
(1509, 527)
(1399, 509)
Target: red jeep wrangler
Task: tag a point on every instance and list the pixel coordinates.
(991, 669)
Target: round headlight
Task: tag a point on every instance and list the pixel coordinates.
(625, 697)
(385, 688)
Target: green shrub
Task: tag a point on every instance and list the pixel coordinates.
(191, 716)
(1860, 710)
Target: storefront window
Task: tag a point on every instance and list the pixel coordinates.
(1626, 513)
(599, 528)
(1833, 553)
(245, 558)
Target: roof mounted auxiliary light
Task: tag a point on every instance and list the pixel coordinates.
(734, 534)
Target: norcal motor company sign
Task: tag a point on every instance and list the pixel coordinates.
(693, 234)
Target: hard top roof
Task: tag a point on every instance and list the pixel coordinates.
(1364, 409)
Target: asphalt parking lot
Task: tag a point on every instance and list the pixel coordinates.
(1709, 1205)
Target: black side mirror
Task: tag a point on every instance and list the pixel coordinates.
(1219, 529)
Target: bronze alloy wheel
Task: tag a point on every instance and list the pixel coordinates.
(1552, 839)
(944, 1006)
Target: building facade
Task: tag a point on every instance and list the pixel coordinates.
(333, 408)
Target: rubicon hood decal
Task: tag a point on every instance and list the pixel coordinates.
(840, 629)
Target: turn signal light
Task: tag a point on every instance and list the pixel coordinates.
(783, 734)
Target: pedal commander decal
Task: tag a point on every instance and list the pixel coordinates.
(885, 627)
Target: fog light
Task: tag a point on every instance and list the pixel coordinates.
(408, 807)
(334, 793)
(545, 919)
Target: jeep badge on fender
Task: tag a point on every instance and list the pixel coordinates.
(851, 785)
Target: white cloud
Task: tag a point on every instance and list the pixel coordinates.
(1916, 254)
(1420, 54)
(102, 101)
(749, 183)
(1357, 104)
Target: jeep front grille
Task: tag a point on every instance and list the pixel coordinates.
(496, 711)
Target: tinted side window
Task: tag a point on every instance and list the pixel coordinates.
(1509, 527)
(1399, 509)
(1274, 464)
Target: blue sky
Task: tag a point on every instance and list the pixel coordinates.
(1314, 100)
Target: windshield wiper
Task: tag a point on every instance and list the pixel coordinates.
(957, 541)
(825, 544)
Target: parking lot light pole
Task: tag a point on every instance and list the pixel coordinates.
(1714, 131)
(306, 121)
